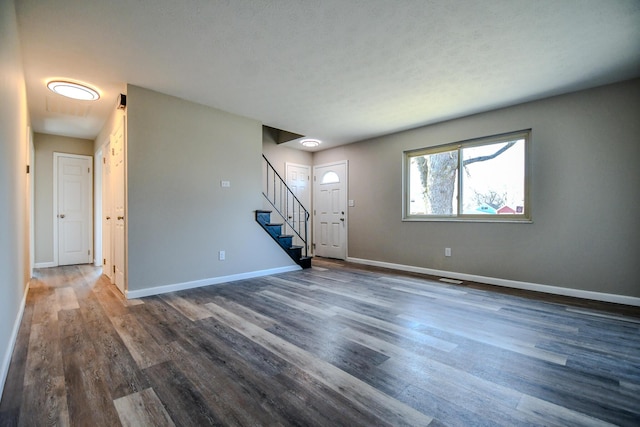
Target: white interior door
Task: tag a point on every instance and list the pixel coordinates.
(118, 197)
(106, 217)
(330, 210)
(298, 177)
(74, 208)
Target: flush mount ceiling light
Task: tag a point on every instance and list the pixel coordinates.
(308, 142)
(73, 90)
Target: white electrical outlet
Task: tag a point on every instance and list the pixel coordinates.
(222, 255)
(225, 184)
(447, 251)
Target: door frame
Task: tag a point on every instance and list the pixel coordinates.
(97, 208)
(31, 191)
(346, 202)
(56, 156)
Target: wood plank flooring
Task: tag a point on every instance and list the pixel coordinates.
(335, 345)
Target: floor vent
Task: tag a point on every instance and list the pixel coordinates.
(454, 281)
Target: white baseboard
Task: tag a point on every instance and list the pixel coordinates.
(44, 264)
(556, 290)
(206, 282)
(6, 358)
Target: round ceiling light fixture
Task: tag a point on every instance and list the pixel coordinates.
(310, 142)
(73, 90)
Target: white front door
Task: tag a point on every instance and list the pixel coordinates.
(118, 211)
(74, 208)
(330, 209)
(298, 182)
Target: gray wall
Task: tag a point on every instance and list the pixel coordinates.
(14, 222)
(585, 196)
(179, 217)
(45, 146)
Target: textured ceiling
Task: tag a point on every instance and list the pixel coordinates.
(337, 70)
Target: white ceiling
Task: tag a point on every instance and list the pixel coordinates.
(337, 70)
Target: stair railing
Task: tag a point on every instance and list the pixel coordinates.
(280, 196)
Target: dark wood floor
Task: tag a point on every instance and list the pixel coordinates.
(333, 345)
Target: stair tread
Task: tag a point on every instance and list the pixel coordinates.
(263, 211)
(284, 236)
(273, 223)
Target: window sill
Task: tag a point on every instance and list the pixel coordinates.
(473, 219)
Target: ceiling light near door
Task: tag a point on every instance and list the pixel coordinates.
(73, 90)
(308, 142)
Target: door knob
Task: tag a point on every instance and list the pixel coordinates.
(342, 219)
(61, 216)
(120, 217)
(108, 217)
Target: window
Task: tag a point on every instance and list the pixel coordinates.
(484, 179)
(330, 178)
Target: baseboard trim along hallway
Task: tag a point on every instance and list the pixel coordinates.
(6, 357)
(556, 290)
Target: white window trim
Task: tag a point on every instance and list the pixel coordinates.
(525, 218)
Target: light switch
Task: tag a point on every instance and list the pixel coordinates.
(225, 184)
(352, 203)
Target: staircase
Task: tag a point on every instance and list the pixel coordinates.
(294, 216)
(284, 240)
